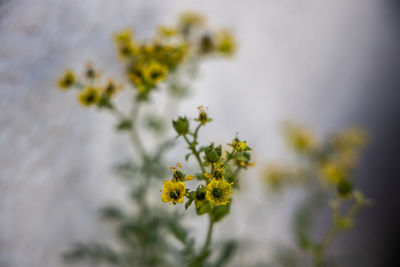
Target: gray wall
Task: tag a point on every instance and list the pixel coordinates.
(310, 60)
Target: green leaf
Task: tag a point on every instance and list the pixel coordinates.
(178, 231)
(188, 203)
(112, 212)
(227, 251)
(220, 212)
(124, 125)
(200, 176)
(188, 156)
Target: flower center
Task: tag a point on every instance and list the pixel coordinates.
(200, 195)
(217, 174)
(178, 175)
(68, 80)
(217, 192)
(175, 194)
(90, 98)
(155, 74)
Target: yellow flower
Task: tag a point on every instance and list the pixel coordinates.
(275, 175)
(89, 96)
(203, 118)
(189, 19)
(136, 74)
(67, 80)
(226, 43)
(241, 146)
(167, 31)
(218, 192)
(218, 172)
(90, 72)
(155, 72)
(178, 174)
(111, 89)
(333, 172)
(173, 192)
(124, 42)
(123, 36)
(299, 138)
(352, 139)
(126, 50)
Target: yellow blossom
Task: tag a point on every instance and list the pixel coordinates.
(136, 74)
(241, 146)
(155, 72)
(123, 36)
(173, 192)
(299, 138)
(333, 172)
(218, 172)
(226, 43)
(203, 118)
(188, 20)
(67, 80)
(111, 88)
(167, 31)
(178, 174)
(89, 96)
(218, 192)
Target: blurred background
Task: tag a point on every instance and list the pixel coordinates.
(326, 64)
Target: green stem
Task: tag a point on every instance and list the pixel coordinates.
(229, 157)
(207, 243)
(318, 252)
(236, 172)
(134, 135)
(195, 153)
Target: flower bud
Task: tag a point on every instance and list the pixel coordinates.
(181, 125)
(212, 154)
(344, 187)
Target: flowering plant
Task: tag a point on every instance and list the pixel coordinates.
(166, 63)
(326, 171)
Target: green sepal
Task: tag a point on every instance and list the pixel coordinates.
(203, 207)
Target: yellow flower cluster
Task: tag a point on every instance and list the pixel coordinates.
(335, 158)
(299, 138)
(91, 91)
(217, 192)
(343, 154)
(150, 63)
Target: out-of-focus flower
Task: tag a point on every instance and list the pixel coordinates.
(111, 89)
(89, 96)
(299, 138)
(226, 43)
(67, 80)
(167, 31)
(155, 72)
